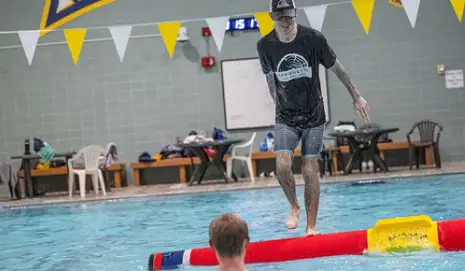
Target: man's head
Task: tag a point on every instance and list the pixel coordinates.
(283, 12)
(229, 235)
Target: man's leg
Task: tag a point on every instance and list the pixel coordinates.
(286, 140)
(312, 145)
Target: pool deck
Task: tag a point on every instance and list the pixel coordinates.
(217, 186)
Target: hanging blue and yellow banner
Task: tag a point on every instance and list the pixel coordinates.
(59, 12)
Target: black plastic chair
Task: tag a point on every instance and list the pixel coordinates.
(427, 130)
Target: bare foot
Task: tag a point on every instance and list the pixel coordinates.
(293, 219)
(312, 232)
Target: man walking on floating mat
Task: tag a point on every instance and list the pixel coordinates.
(290, 56)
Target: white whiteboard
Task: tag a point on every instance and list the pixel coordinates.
(247, 100)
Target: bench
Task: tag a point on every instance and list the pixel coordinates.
(387, 146)
(115, 168)
(181, 163)
(297, 153)
(397, 145)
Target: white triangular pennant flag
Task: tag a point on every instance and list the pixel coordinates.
(411, 8)
(29, 41)
(316, 16)
(218, 28)
(121, 36)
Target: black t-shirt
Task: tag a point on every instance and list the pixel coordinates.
(295, 65)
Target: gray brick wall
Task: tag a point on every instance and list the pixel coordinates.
(146, 101)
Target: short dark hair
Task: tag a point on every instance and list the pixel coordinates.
(228, 232)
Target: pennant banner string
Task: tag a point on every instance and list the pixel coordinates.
(156, 23)
(85, 41)
(411, 9)
(121, 35)
(364, 10)
(266, 24)
(458, 6)
(75, 39)
(316, 16)
(169, 32)
(218, 29)
(29, 41)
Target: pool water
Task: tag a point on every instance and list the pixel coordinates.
(120, 235)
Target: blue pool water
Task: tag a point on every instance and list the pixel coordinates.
(120, 235)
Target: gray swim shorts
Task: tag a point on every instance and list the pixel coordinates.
(286, 139)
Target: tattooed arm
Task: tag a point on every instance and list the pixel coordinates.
(343, 76)
(270, 80)
(329, 60)
(266, 66)
(361, 106)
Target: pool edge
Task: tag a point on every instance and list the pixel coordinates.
(222, 189)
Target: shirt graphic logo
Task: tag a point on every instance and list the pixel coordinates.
(59, 12)
(293, 66)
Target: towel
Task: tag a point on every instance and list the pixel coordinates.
(46, 153)
(9, 173)
(107, 157)
(5, 174)
(111, 155)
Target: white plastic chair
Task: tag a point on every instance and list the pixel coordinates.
(93, 156)
(247, 158)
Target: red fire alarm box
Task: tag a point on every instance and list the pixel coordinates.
(206, 32)
(208, 61)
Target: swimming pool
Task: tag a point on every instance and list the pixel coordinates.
(120, 235)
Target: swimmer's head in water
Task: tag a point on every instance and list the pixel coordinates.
(229, 235)
(283, 12)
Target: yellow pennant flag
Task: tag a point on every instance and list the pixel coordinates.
(458, 6)
(364, 10)
(169, 32)
(75, 39)
(265, 23)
